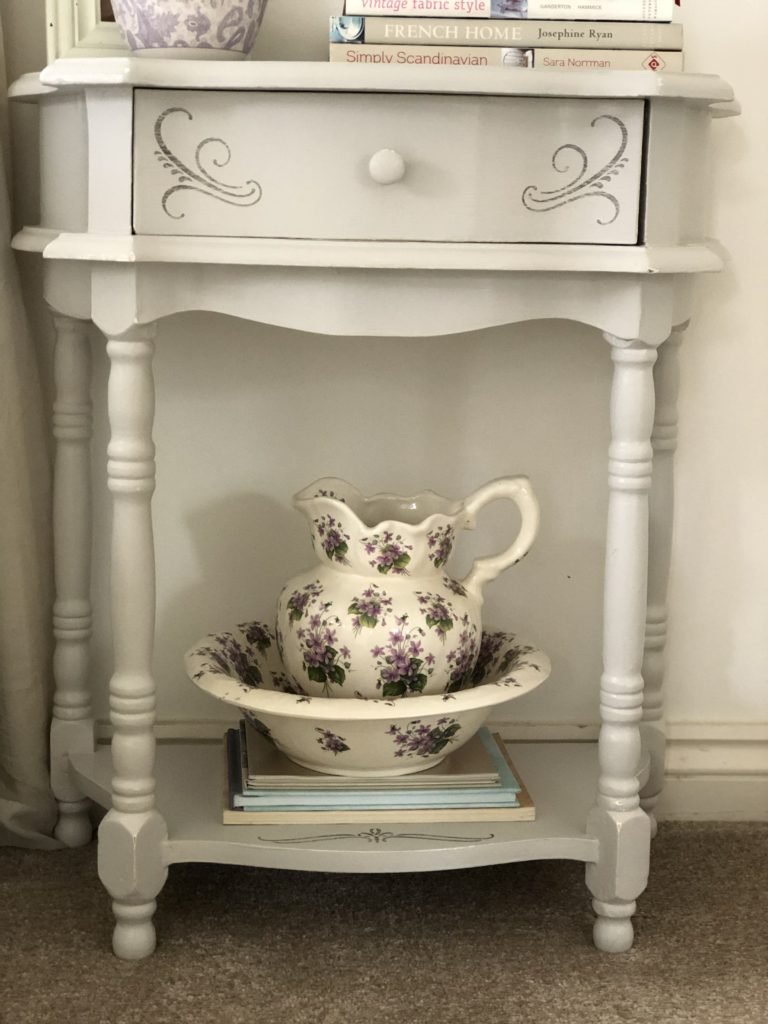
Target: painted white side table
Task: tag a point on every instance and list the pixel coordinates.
(170, 186)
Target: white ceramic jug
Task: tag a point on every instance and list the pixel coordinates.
(378, 616)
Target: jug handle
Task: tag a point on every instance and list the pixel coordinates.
(517, 489)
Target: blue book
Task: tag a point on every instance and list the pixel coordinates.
(352, 797)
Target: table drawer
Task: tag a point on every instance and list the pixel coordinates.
(444, 168)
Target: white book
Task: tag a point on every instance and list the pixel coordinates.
(506, 57)
(603, 35)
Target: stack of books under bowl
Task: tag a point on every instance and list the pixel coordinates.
(477, 782)
(568, 35)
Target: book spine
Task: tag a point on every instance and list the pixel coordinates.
(546, 10)
(323, 800)
(421, 816)
(449, 56)
(506, 57)
(321, 804)
(608, 60)
(422, 8)
(475, 32)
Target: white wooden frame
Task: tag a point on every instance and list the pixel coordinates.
(75, 29)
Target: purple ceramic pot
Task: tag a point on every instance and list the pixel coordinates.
(196, 29)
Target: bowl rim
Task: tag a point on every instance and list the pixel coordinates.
(354, 709)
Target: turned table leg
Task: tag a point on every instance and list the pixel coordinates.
(617, 821)
(664, 440)
(72, 727)
(131, 835)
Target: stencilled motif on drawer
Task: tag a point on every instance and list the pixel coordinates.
(584, 185)
(197, 178)
(284, 164)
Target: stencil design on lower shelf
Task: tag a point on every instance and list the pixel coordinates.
(378, 835)
(583, 186)
(198, 179)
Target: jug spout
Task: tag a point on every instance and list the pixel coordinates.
(331, 489)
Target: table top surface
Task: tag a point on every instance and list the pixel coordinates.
(76, 73)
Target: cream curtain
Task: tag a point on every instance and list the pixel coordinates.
(27, 808)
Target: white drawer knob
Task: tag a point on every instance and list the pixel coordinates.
(386, 166)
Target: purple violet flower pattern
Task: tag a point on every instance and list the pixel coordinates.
(440, 544)
(420, 740)
(331, 494)
(439, 613)
(515, 658)
(490, 645)
(257, 635)
(334, 542)
(462, 658)
(454, 586)
(299, 601)
(401, 663)
(330, 741)
(369, 609)
(284, 684)
(390, 553)
(233, 659)
(324, 662)
(279, 643)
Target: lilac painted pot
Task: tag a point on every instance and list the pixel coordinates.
(192, 29)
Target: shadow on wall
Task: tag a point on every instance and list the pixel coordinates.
(230, 537)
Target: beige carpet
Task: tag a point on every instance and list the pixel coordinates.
(496, 945)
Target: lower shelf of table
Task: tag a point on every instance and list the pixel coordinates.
(561, 777)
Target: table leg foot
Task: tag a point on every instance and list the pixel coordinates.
(132, 868)
(613, 931)
(134, 934)
(74, 826)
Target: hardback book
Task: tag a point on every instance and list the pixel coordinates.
(476, 32)
(609, 60)
(429, 816)
(266, 767)
(543, 10)
(352, 795)
(520, 807)
(506, 57)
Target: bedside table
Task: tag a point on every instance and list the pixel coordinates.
(268, 191)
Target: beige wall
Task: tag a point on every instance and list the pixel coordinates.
(249, 414)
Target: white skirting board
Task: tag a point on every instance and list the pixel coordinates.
(715, 771)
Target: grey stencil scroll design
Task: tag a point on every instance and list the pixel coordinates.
(198, 178)
(377, 835)
(584, 185)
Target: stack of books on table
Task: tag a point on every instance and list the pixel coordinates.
(475, 783)
(565, 35)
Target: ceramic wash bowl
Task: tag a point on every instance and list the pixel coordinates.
(352, 735)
